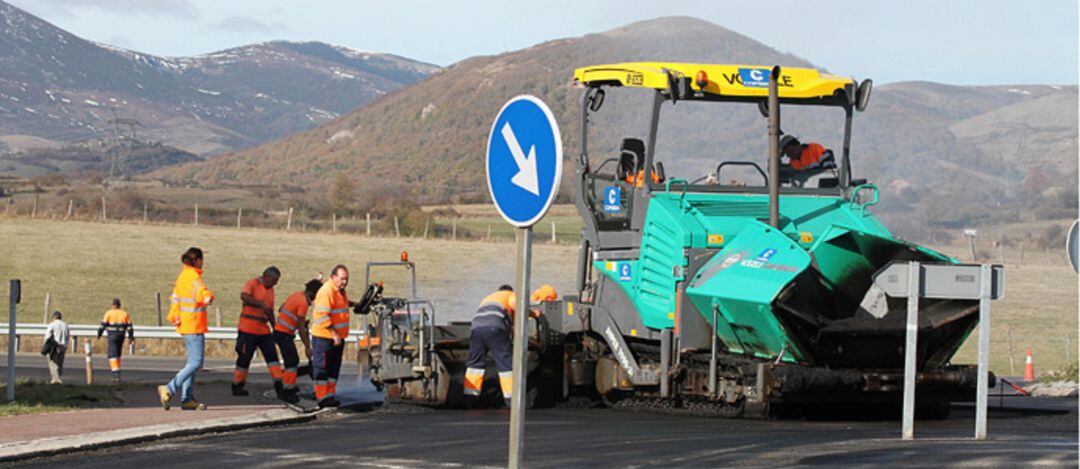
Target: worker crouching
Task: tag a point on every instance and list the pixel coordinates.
(117, 323)
(492, 332)
(329, 329)
(254, 332)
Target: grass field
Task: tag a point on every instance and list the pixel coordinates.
(33, 397)
(84, 265)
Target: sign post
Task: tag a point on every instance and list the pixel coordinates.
(524, 165)
(14, 295)
(914, 280)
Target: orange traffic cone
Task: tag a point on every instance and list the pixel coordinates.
(1029, 368)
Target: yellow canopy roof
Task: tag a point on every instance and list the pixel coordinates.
(749, 81)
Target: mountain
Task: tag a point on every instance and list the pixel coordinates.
(56, 87)
(945, 155)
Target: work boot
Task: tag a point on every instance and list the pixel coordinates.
(116, 377)
(238, 390)
(329, 402)
(284, 395)
(193, 405)
(164, 395)
(293, 390)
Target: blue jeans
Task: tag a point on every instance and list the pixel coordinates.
(195, 345)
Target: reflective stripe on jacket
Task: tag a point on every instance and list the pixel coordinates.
(292, 313)
(256, 320)
(330, 313)
(116, 321)
(500, 303)
(190, 297)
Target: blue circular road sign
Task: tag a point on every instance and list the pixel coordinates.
(524, 160)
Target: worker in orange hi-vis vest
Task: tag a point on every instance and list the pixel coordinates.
(118, 324)
(492, 331)
(805, 156)
(329, 329)
(292, 321)
(255, 331)
(187, 311)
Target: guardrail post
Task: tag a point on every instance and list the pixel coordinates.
(217, 311)
(157, 298)
(911, 344)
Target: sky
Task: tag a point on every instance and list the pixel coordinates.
(951, 41)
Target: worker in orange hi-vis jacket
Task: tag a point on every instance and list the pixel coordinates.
(292, 321)
(187, 311)
(329, 329)
(255, 331)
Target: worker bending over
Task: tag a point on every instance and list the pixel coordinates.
(292, 320)
(254, 332)
(329, 328)
(492, 331)
(118, 323)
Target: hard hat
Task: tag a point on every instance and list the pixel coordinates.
(544, 293)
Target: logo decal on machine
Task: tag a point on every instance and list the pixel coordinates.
(612, 195)
(626, 272)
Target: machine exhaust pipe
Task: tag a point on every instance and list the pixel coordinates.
(774, 149)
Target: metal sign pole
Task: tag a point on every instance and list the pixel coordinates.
(984, 352)
(13, 299)
(521, 315)
(910, 349)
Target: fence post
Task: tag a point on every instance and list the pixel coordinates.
(103, 217)
(334, 223)
(33, 211)
(48, 306)
(288, 223)
(1008, 343)
(971, 242)
(397, 231)
(71, 207)
(1001, 251)
(553, 239)
(1068, 350)
(368, 217)
(145, 212)
(1021, 252)
(453, 232)
(239, 213)
(157, 297)
(217, 311)
(426, 227)
(8, 209)
(489, 233)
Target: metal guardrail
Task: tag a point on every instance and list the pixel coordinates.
(143, 332)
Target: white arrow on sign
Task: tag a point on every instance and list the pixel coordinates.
(526, 177)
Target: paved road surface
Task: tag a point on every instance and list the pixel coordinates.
(402, 436)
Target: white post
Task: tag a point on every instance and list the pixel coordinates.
(489, 233)
(453, 231)
(910, 348)
(239, 213)
(553, 240)
(103, 217)
(426, 227)
(397, 232)
(368, 217)
(33, 211)
(288, 223)
(982, 383)
(333, 223)
(71, 207)
(196, 214)
(145, 212)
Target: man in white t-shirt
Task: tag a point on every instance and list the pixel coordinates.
(59, 333)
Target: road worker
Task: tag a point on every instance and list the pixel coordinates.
(255, 331)
(187, 310)
(492, 327)
(329, 329)
(805, 156)
(292, 320)
(632, 162)
(118, 323)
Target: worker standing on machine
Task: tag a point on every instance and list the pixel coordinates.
(329, 328)
(292, 320)
(492, 331)
(118, 323)
(254, 332)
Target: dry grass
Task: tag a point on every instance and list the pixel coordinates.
(84, 265)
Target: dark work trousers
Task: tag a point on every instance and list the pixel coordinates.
(116, 344)
(289, 355)
(245, 350)
(494, 338)
(326, 362)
